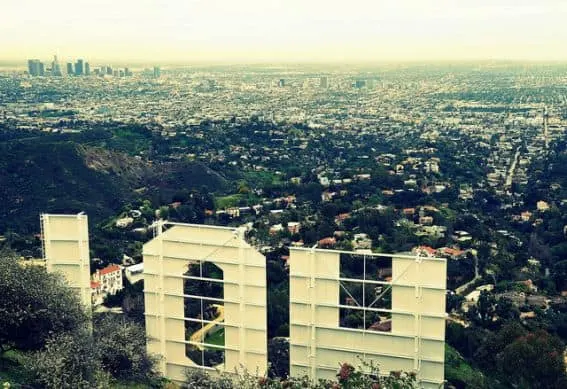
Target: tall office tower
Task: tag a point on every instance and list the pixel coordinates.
(70, 71)
(324, 82)
(121, 73)
(33, 67)
(79, 68)
(116, 73)
(157, 72)
(127, 72)
(545, 127)
(360, 84)
(281, 83)
(41, 69)
(56, 67)
(87, 69)
(109, 70)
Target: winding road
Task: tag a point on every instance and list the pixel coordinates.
(199, 336)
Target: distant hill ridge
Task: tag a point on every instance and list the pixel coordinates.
(66, 177)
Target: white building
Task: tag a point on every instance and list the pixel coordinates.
(134, 273)
(124, 222)
(110, 279)
(361, 241)
(97, 297)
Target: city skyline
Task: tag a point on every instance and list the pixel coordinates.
(290, 31)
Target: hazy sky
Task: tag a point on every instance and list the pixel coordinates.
(283, 30)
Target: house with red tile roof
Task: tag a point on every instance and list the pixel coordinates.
(96, 293)
(424, 250)
(451, 252)
(109, 278)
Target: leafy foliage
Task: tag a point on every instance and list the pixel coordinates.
(51, 177)
(63, 175)
(33, 305)
(534, 360)
(512, 355)
(348, 377)
(121, 347)
(460, 373)
(278, 357)
(39, 313)
(69, 360)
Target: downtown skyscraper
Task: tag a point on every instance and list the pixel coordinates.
(35, 68)
(79, 67)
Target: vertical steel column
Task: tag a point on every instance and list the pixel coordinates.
(241, 304)
(161, 297)
(313, 335)
(417, 318)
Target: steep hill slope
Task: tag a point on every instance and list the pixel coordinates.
(52, 177)
(63, 177)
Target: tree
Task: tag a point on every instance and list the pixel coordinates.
(485, 311)
(560, 275)
(493, 343)
(131, 299)
(69, 360)
(506, 310)
(454, 302)
(278, 354)
(115, 350)
(121, 345)
(33, 305)
(534, 361)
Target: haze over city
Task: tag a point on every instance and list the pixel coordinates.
(278, 194)
(284, 31)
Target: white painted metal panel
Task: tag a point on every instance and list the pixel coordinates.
(166, 258)
(65, 240)
(416, 340)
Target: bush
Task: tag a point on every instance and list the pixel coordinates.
(116, 350)
(34, 305)
(121, 348)
(69, 360)
(348, 377)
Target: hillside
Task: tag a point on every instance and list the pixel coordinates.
(170, 177)
(63, 177)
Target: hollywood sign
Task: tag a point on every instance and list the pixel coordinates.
(205, 302)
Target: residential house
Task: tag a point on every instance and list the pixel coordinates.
(96, 293)
(424, 250)
(361, 241)
(124, 222)
(542, 206)
(293, 227)
(110, 279)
